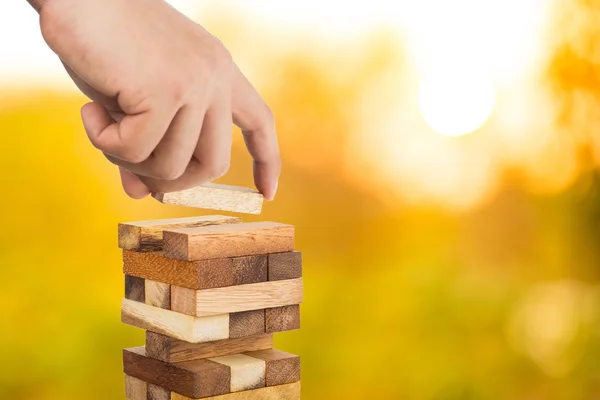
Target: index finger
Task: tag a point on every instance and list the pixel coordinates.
(257, 123)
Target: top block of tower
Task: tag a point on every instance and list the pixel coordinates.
(232, 240)
(216, 197)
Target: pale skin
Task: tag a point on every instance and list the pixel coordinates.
(164, 93)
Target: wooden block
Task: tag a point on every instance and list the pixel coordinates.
(158, 294)
(282, 367)
(203, 274)
(196, 379)
(283, 392)
(232, 299)
(135, 288)
(228, 240)
(184, 327)
(216, 197)
(250, 269)
(286, 265)
(246, 323)
(246, 372)
(147, 235)
(158, 393)
(135, 389)
(281, 319)
(171, 350)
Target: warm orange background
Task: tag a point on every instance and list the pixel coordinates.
(436, 268)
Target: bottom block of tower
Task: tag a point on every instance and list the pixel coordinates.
(290, 391)
(212, 376)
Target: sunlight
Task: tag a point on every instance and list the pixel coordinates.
(457, 102)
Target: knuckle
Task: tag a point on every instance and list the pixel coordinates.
(218, 169)
(169, 171)
(134, 154)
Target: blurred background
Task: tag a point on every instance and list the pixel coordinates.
(440, 165)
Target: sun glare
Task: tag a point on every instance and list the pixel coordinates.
(455, 103)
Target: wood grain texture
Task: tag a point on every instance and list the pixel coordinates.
(135, 389)
(286, 265)
(281, 319)
(283, 392)
(156, 392)
(203, 274)
(171, 350)
(135, 288)
(196, 379)
(282, 367)
(216, 197)
(232, 299)
(147, 235)
(158, 294)
(180, 326)
(228, 240)
(246, 372)
(246, 323)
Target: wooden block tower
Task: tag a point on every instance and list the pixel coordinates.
(210, 292)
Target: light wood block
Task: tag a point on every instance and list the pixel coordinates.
(283, 392)
(147, 235)
(183, 327)
(246, 323)
(232, 299)
(158, 393)
(171, 350)
(246, 372)
(282, 319)
(196, 379)
(135, 389)
(232, 240)
(135, 288)
(203, 274)
(282, 367)
(286, 265)
(216, 197)
(158, 294)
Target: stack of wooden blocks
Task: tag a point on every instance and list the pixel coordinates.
(210, 292)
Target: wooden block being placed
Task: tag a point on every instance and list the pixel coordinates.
(286, 265)
(282, 367)
(135, 288)
(196, 379)
(147, 235)
(283, 392)
(246, 323)
(228, 240)
(203, 274)
(158, 393)
(232, 299)
(216, 197)
(158, 294)
(184, 327)
(171, 350)
(135, 389)
(281, 319)
(246, 372)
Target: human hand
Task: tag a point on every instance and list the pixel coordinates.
(164, 93)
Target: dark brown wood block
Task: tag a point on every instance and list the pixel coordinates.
(171, 350)
(282, 367)
(246, 323)
(195, 379)
(158, 393)
(281, 319)
(135, 288)
(286, 265)
(205, 274)
(250, 269)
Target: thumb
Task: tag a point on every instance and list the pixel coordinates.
(132, 185)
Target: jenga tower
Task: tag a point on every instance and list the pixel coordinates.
(210, 292)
